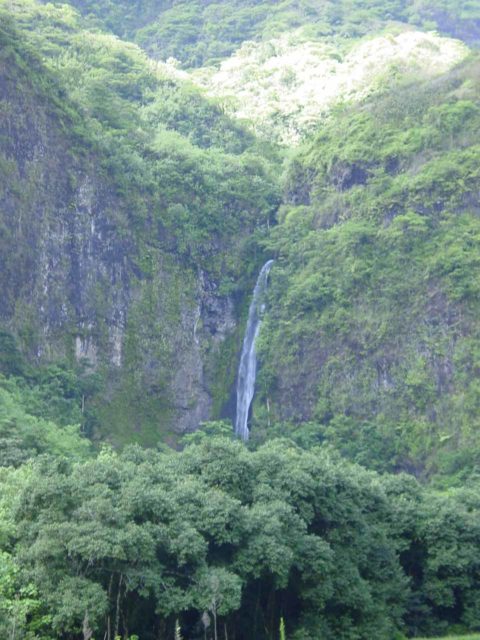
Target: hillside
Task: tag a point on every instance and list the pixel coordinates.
(204, 32)
(136, 214)
(126, 252)
(155, 157)
(285, 87)
(374, 303)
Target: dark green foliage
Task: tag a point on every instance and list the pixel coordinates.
(200, 32)
(143, 538)
(460, 18)
(11, 359)
(438, 534)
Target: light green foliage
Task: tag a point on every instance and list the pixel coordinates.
(43, 409)
(207, 430)
(219, 591)
(21, 610)
(23, 435)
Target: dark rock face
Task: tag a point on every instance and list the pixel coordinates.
(66, 266)
(71, 287)
(203, 327)
(346, 176)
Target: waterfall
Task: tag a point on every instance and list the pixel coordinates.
(247, 369)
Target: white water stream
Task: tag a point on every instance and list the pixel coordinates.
(247, 370)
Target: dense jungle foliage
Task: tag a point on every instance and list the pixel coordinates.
(376, 281)
(203, 31)
(354, 511)
(139, 543)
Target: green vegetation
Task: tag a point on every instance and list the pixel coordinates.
(147, 542)
(197, 32)
(134, 214)
(285, 86)
(470, 637)
(166, 148)
(374, 296)
(43, 409)
(192, 194)
(176, 187)
(23, 435)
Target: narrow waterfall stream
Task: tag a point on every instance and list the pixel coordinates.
(247, 369)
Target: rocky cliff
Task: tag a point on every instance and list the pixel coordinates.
(93, 275)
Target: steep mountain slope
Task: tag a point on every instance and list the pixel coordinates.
(373, 328)
(136, 214)
(203, 32)
(286, 86)
(119, 248)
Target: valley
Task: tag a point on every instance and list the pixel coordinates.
(239, 321)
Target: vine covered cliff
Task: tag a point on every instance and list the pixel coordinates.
(122, 235)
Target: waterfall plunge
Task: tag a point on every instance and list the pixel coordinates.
(247, 369)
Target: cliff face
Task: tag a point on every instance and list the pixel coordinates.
(84, 281)
(62, 251)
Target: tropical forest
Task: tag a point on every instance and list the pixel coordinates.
(239, 319)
